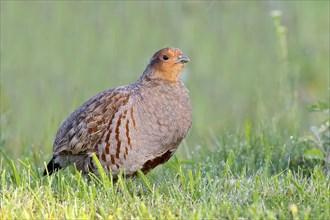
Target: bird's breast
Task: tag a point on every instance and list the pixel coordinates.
(164, 114)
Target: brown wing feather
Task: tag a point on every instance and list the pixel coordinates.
(84, 127)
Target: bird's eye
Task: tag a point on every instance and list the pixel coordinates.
(165, 57)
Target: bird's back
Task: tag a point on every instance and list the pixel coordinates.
(89, 126)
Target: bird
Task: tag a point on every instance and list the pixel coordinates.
(132, 127)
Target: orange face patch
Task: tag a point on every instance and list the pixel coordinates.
(167, 64)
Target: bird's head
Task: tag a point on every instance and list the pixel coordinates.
(167, 64)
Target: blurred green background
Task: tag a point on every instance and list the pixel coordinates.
(57, 54)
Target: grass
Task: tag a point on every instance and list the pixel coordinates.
(217, 187)
(255, 150)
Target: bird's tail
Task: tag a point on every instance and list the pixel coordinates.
(52, 167)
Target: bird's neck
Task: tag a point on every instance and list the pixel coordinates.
(151, 74)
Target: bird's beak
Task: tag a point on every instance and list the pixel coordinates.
(183, 59)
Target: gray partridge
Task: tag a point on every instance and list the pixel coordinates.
(132, 127)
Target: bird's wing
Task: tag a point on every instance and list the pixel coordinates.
(85, 127)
